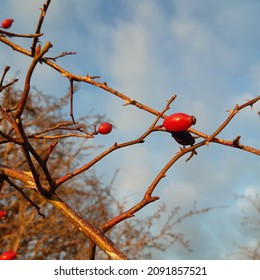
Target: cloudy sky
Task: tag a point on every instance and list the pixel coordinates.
(206, 52)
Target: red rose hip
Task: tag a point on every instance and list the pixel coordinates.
(3, 214)
(178, 122)
(8, 255)
(105, 128)
(7, 23)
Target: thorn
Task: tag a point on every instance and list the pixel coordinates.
(236, 141)
(129, 102)
(237, 107)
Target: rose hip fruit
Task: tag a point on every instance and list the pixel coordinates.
(178, 122)
(8, 255)
(105, 128)
(3, 214)
(7, 23)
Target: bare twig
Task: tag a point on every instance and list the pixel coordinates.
(113, 148)
(7, 68)
(20, 175)
(71, 100)
(62, 126)
(60, 136)
(51, 148)
(26, 90)
(8, 85)
(39, 26)
(28, 150)
(61, 55)
(10, 34)
(91, 231)
(7, 179)
(148, 198)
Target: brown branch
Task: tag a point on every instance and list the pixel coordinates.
(39, 26)
(10, 34)
(223, 125)
(148, 198)
(113, 148)
(71, 100)
(6, 69)
(60, 136)
(12, 122)
(19, 175)
(129, 100)
(61, 55)
(26, 90)
(27, 149)
(9, 139)
(14, 46)
(88, 229)
(8, 85)
(50, 149)
(88, 79)
(7, 179)
(61, 126)
(230, 143)
(236, 144)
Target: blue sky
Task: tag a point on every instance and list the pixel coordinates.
(207, 52)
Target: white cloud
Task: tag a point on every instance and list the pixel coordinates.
(254, 74)
(130, 58)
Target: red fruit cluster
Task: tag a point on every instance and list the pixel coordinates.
(8, 255)
(178, 122)
(7, 23)
(105, 128)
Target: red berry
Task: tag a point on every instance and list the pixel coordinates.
(105, 128)
(178, 122)
(3, 214)
(8, 255)
(7, 23)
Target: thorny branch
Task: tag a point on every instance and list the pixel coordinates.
(48, 190)
(127, 100)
